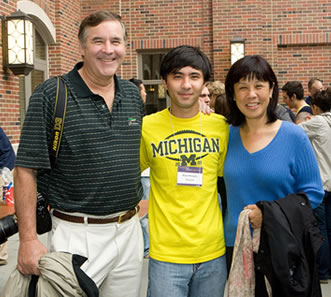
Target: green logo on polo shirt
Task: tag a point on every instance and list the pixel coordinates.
(132, 122)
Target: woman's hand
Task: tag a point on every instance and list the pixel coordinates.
(255, 216)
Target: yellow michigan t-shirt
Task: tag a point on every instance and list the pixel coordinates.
(185, 222)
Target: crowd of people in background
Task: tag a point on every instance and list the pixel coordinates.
(317, 126)
(222, 153)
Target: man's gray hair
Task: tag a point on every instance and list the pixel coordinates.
(96, 19)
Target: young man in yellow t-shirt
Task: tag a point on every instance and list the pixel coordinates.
(185, 151)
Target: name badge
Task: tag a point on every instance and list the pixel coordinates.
(189, 176)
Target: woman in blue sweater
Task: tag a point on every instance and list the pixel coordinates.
(267, 158)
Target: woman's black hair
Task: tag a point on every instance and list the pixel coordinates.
(250, 67)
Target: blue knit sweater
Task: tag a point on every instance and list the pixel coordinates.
(286, 165)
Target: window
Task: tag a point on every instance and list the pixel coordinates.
(149, 72)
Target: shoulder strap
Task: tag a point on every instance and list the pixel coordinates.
(60, 107)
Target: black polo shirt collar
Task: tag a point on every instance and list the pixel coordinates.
(83, 91)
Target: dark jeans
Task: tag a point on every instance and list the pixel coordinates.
(324, 221)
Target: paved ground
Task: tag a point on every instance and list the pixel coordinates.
(5, 270)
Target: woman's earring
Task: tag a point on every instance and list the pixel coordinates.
(234, 99)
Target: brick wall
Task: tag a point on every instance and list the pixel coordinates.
(295, 37)
(302, 41)
(65, 53)
(165, 24)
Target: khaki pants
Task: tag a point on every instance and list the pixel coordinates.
(3, 253)
(114, 252)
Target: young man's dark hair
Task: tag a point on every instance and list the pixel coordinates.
(322, 99)
(294, 87)
(184, 56)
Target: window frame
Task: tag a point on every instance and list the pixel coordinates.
(146, 82)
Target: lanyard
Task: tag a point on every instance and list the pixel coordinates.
(174, 135)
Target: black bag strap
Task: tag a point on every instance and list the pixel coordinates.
(60, 107)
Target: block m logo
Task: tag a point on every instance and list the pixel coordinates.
(191, 160)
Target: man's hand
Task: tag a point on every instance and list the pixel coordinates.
(308, 117)
(204, 108)
(255, 216)
(25, 192)
(29, 253)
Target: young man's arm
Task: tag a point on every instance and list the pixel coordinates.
(25, 193)
(302, 116)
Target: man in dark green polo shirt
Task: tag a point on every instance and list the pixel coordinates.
(94, 188)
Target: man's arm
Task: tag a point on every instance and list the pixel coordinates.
(204, 108)
(25, 193)
(302, 116)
